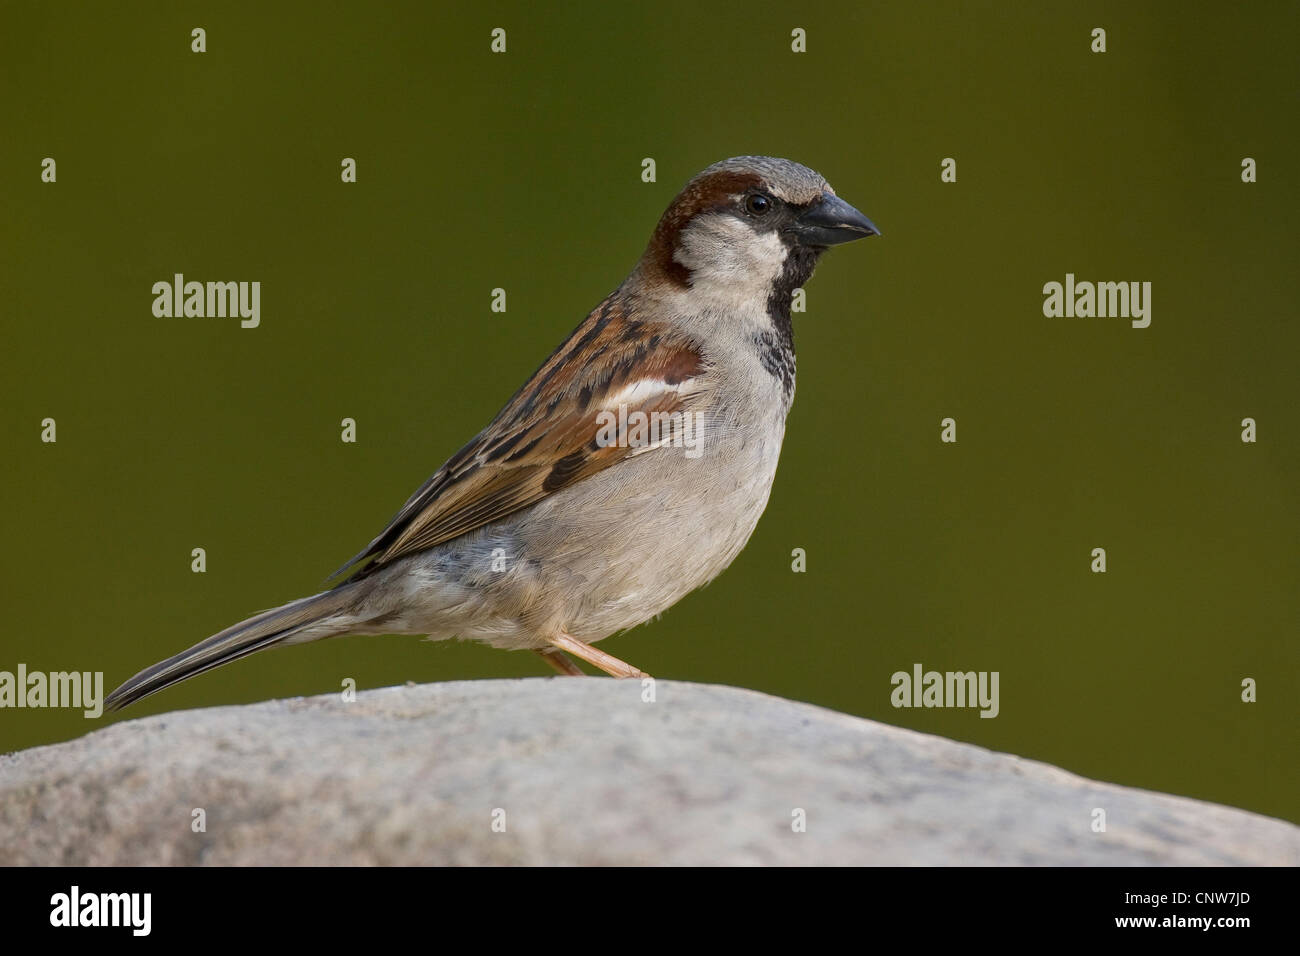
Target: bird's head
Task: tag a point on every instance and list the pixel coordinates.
(747, 227)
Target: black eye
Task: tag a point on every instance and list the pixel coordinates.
(757, 204)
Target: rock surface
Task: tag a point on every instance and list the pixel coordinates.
(579, 771)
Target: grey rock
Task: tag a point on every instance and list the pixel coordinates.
(581, 771)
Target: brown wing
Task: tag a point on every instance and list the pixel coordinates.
(545, 438)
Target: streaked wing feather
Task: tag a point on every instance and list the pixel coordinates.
(545, 437)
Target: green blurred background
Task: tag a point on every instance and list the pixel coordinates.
(522, 171)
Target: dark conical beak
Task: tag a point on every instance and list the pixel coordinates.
(830, 221)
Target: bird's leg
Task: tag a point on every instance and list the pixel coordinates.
(560, 661)
(610, 664)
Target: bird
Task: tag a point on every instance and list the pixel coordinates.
(628, 471)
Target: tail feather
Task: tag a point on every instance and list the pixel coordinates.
(259, 632)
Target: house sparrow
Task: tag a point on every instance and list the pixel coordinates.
(627, 472)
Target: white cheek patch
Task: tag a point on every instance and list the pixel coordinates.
(718, 248)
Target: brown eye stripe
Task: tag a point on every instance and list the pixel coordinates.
(708, 192)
